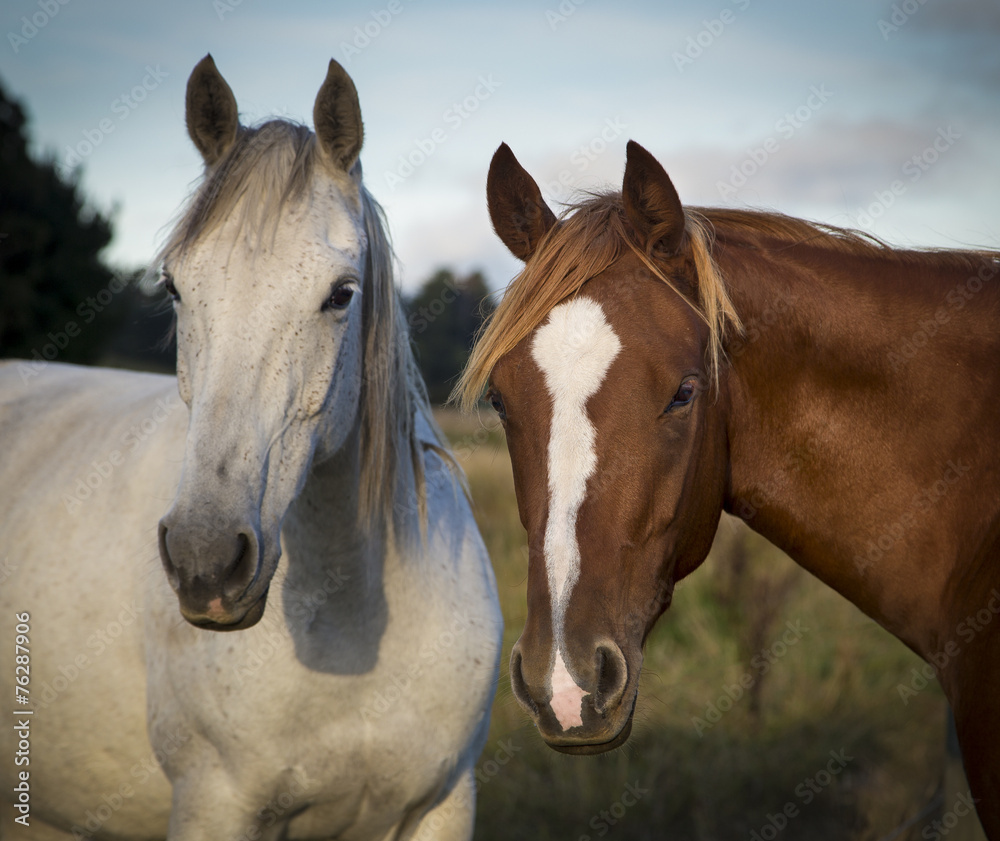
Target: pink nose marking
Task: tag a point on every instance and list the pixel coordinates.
(215, 607)
(567, 697)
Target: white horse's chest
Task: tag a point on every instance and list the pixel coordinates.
(357, 718)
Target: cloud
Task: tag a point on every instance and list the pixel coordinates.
(957, 39)
(964, 16)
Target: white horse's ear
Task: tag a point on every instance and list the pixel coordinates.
(212, 117)
(337, 118)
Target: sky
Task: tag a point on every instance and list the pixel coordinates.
(883, 116)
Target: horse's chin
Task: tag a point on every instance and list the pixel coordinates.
(598, 747)
(249, 618)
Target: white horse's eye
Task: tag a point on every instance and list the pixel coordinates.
(167, 280)
(340, 297)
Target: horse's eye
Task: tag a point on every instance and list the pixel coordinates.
(685, 394)
(339, 298)
(167, 280)
(497, 405)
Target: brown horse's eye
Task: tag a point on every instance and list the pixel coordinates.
(685, 394)
(497, 405)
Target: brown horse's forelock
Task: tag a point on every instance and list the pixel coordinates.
(590, 237)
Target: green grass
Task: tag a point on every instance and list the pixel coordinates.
(833, 690)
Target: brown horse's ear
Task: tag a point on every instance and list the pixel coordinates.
(519, 214)
(212, 118)
(337, 118)
(652, 205)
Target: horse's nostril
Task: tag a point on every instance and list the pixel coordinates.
(241, 571)
(242, 547)
(612, 677)
(168, 565)
(518, 684)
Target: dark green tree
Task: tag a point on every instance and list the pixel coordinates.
(58, 301)
(444, 316)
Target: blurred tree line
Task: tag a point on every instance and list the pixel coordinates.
(444, 317)
(60, 302)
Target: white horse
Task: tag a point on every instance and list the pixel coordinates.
(302, 463)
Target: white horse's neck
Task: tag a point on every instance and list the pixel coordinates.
(333, 587)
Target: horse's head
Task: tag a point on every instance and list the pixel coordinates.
(267, 271)
(602, 363)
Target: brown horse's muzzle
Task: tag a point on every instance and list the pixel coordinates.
(581, 700)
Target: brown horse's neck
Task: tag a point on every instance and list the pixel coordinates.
(862, 421)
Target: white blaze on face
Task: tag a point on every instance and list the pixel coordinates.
(574, 348)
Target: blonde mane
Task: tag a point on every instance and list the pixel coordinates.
(590, 236)
(269, 167)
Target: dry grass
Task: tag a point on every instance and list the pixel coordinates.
(833, 690)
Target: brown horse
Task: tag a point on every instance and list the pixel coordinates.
(655, 366)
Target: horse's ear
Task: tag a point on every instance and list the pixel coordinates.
(652, 205)
(212, 117)
(337, 118)
(519, 214)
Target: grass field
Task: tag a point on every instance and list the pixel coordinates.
(821, 746)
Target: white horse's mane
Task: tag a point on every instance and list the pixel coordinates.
(269, 167)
